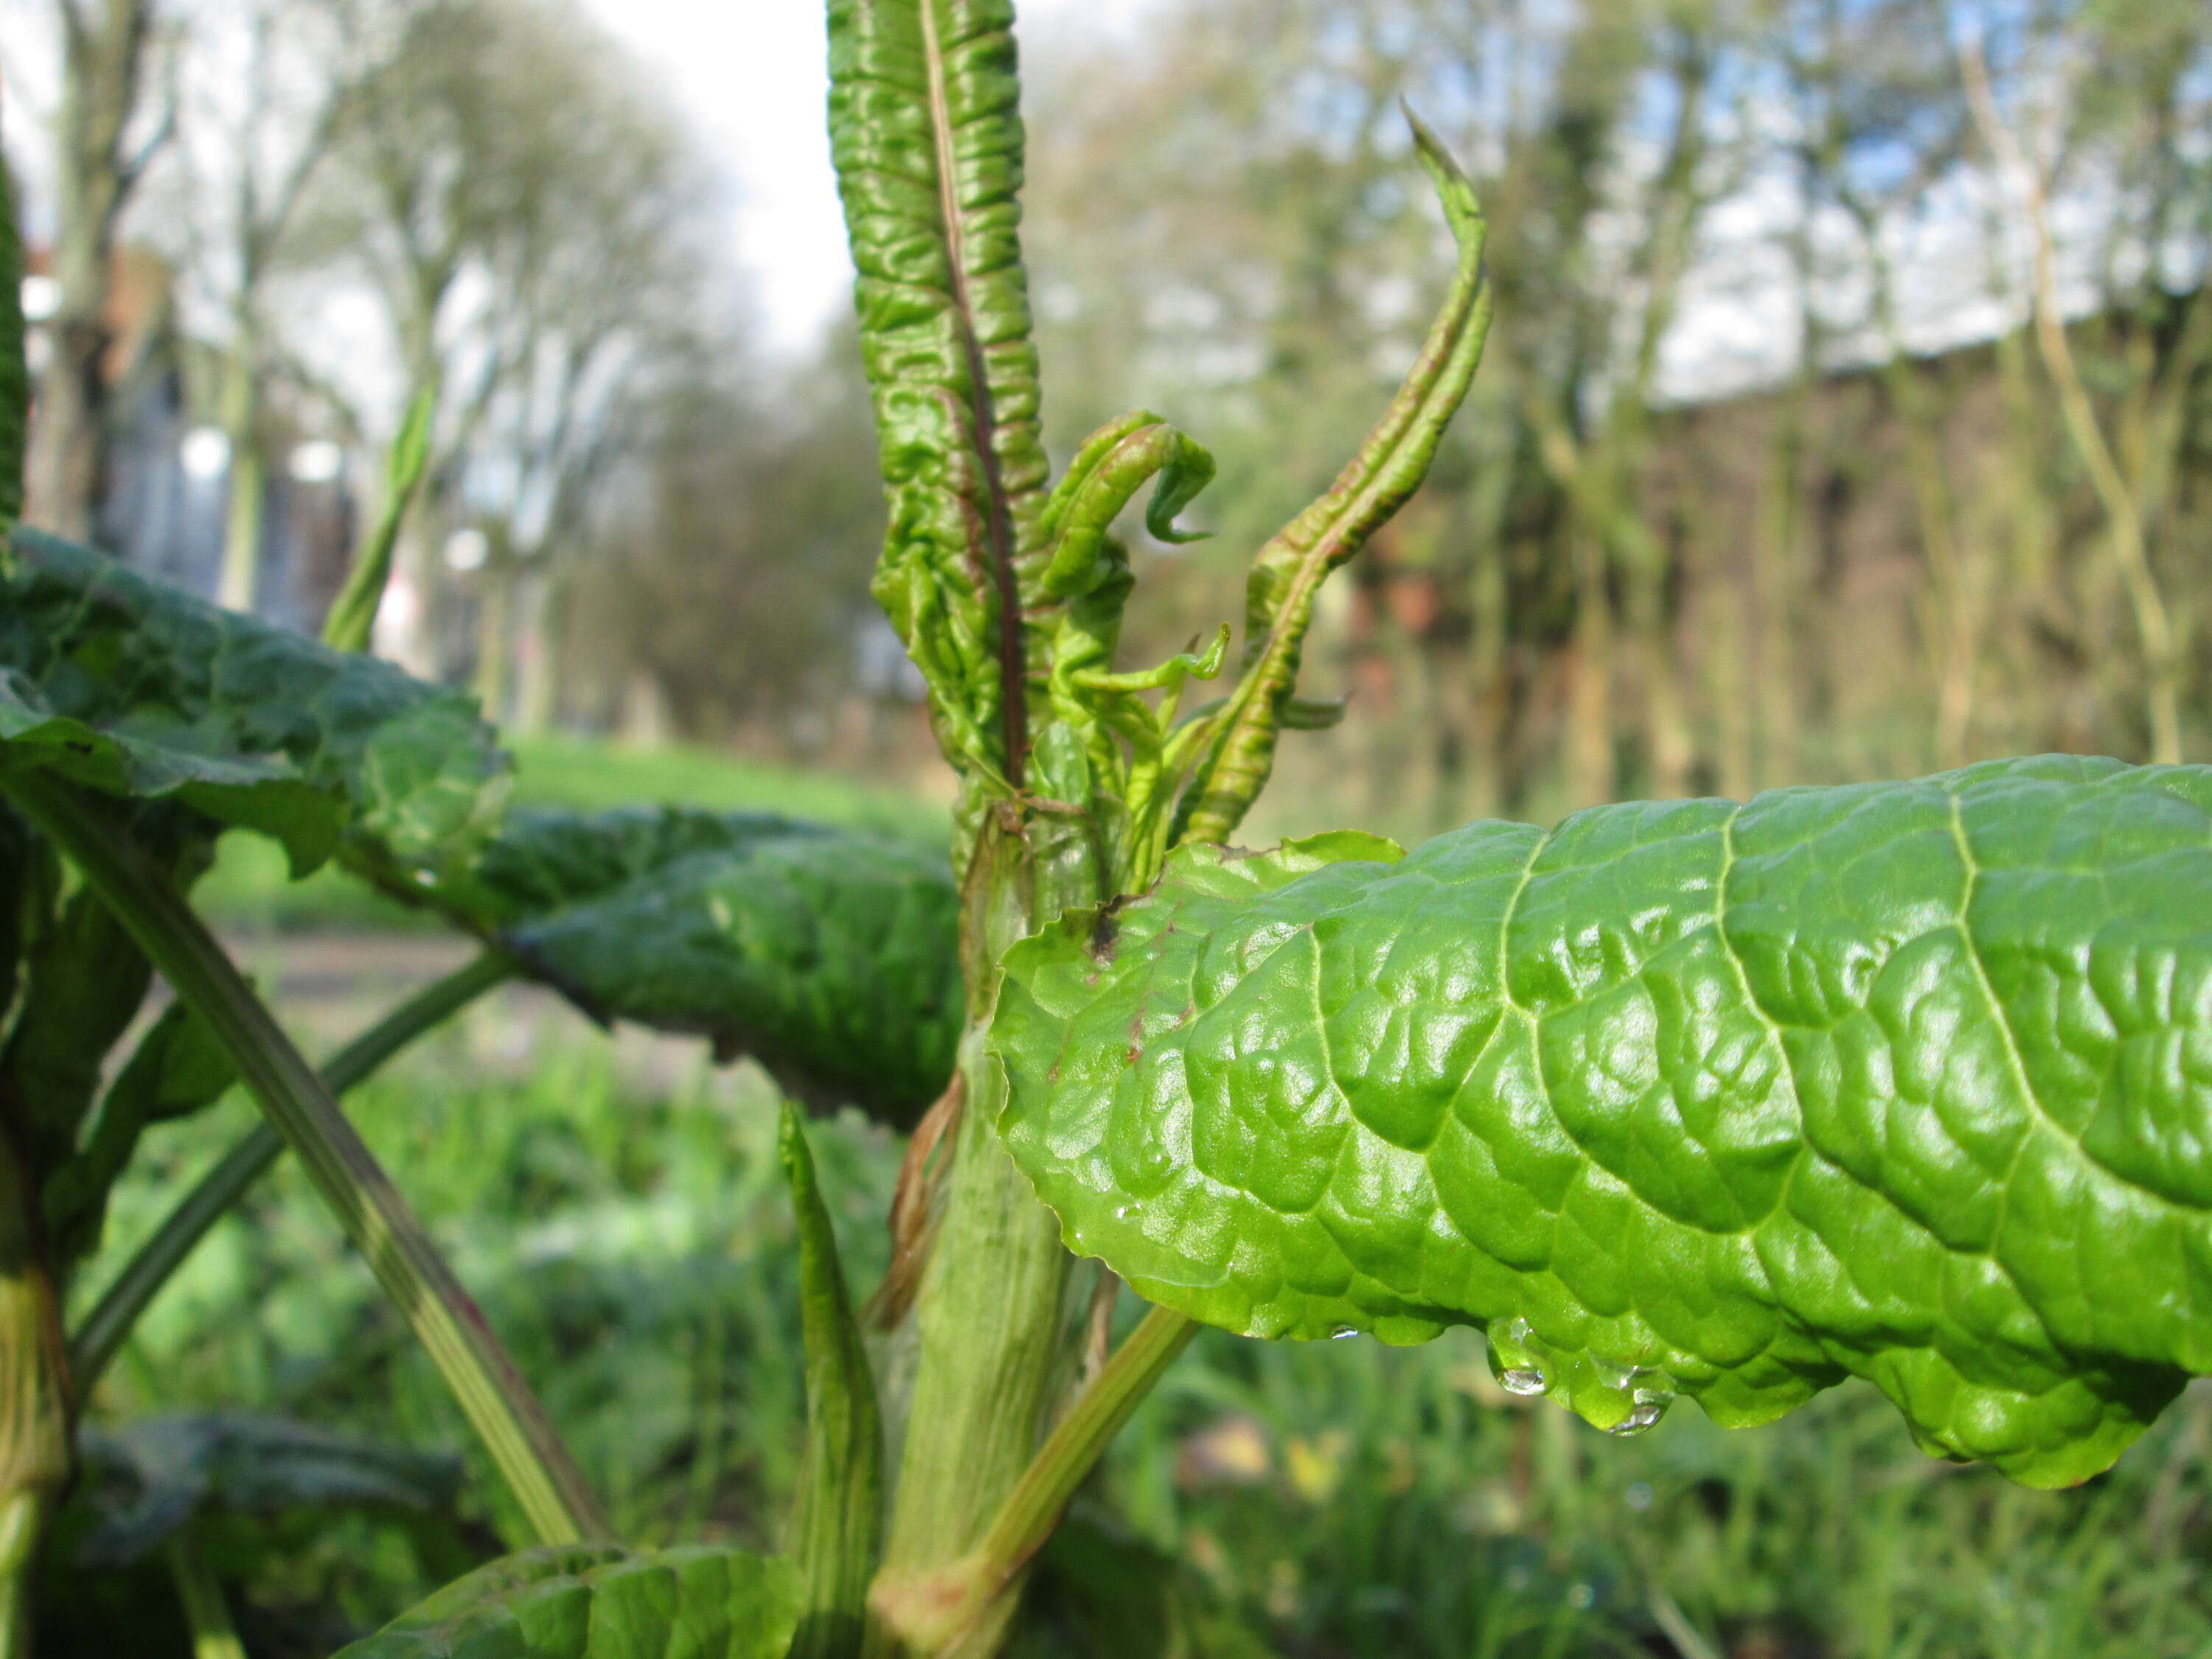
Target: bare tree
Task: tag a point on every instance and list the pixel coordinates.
(105, 137)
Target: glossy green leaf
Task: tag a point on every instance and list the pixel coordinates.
(136, 689)
(1911, 1082)
(603, 1603)
(146, 1479)
(829, 956)
(1287, 575)
(925, 124)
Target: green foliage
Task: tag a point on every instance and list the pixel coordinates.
(831, 957)
(925, 124)
(150, 1478)
(178, 1068)
(604, 1603)
(1889, 1081)
(112, 681)
(837, 1526)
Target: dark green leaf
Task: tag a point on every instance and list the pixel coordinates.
(603, 1603)
(148, 1479)
(179, 1068)
(1903, 1081)
(136, 689)
(838, 1516)
(924, 123)
(831, 957)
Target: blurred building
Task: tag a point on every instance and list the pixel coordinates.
(164, 479)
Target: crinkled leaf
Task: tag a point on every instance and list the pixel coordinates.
(1910, 1081)
(925, 124)
(138, 689)
(149, 1478)
(831, 957)
(603, 1603)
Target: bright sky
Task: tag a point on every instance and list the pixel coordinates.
(752, 75)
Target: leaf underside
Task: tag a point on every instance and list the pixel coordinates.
(831, 956)
(151, 1477)
(136, 689)
(603, 1603)
(1909, 1082)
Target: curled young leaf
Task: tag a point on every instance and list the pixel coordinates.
(1900, 1081)
(1288, 574)
(602, 1603)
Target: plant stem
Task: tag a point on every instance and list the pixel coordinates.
(22, 1525)
(992, 1331)
(34, 1418)
(206, 1614)
(1072, 1449)
(476, 1367)
(108, 1326)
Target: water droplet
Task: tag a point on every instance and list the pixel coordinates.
(1518, 1333)
(1123, 1211)
(1521, 1380)
(1341, 1333)
(1615, 1376)
(1651, 1405)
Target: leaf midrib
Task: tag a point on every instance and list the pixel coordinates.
(998, 516)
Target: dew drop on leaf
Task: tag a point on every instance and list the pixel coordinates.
(1521, 1380)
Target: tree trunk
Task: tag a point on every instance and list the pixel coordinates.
(102, 57)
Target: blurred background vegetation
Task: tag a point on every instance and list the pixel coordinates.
(1769, 475)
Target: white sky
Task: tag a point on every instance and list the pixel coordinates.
(753, 76)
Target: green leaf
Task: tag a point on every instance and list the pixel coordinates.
(829, 956)
(179, 1068)
(1288, 574)
(151, 1477)
(1900, 1081)
(603, 1603)
(925, 124)
(838, 1517)
(136, 689)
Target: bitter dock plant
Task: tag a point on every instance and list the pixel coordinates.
(1909, 1082)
